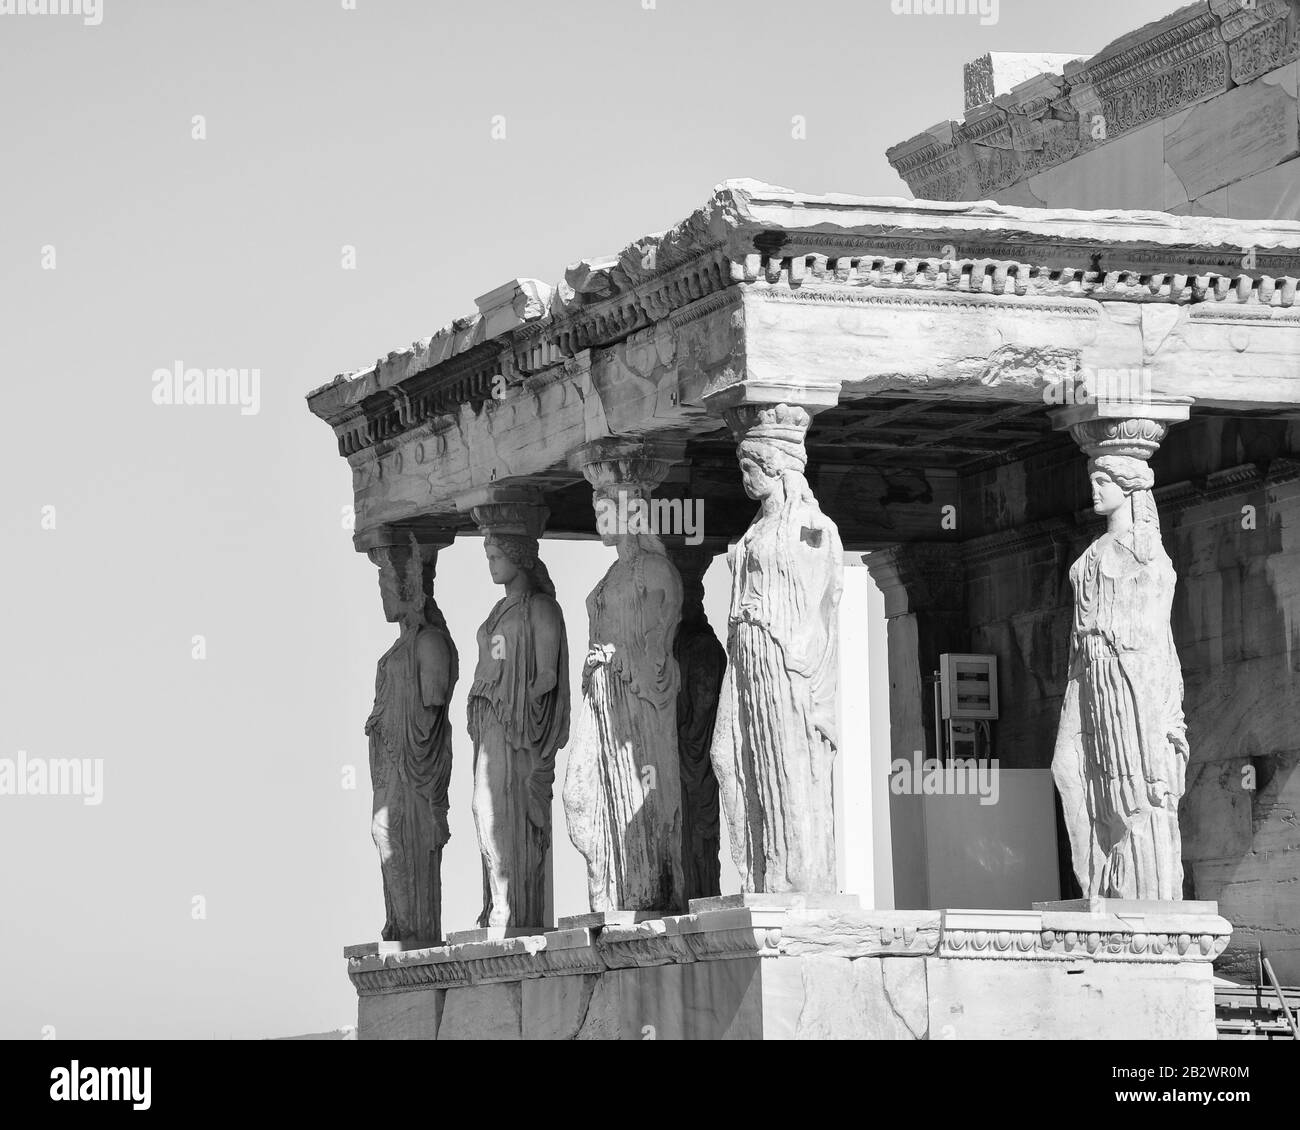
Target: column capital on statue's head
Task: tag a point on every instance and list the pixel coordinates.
(506, 509)
(432, 533)
(615, 462)
(1114, 428)
(752, 393)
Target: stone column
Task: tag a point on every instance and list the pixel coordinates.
(1120, 762)
(923, 584)
(410, 733)
(622, 791)
(702, 661)
(518, 713)
(775, 741)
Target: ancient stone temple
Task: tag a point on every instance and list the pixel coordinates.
(1065, 445)
(842, 376)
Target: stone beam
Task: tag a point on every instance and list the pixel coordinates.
(969, 301)
(1017, 342)
(650, 384)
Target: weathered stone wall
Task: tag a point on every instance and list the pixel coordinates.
(1236, 623)
(1236, 155)
(1195, 114)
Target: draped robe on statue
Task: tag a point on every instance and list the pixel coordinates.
(622, 796)
(516, 737)
(1121, 751)
(774, 747)
(410, 769)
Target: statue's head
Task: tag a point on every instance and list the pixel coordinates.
(509, 555)
(622, 512)
(1115, 478)
(406, 576)
(1120, 481)
(764, 465)
(772, 449)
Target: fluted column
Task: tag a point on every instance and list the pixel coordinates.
(622, 792)
(518, 712)
(410, 733)
(1121, 754)
(776, 736)
(702, 661)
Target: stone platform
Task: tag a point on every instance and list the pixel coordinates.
(790, 972)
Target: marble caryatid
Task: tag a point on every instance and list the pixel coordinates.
(702, 661)
(1121, 750)
(410, 745)
(518, 721)
(775, 741)
(622, 793)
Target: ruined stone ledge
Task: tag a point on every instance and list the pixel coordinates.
(1192, 56)
(1165, 935)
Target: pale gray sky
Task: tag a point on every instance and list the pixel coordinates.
(325, 127)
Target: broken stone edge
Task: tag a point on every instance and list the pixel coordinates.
(749, 932)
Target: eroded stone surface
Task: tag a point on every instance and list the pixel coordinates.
(1246, 131)
(483, 1012)
(556, 1008)
(998, 72)
(849, 933)
(1015, 1000)
(400, 1016)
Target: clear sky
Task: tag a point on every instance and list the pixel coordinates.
(325, 127)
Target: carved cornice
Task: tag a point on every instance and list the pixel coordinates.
(771, 243)
(1166, 936)
(1188, 57)
(955, 281)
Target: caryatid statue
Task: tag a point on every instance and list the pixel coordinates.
(622, 793)
(518, 717)
(702, 661)
(1121, 751)
(775, 741)
(410, 744)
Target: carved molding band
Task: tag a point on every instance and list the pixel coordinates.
(779, 933)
